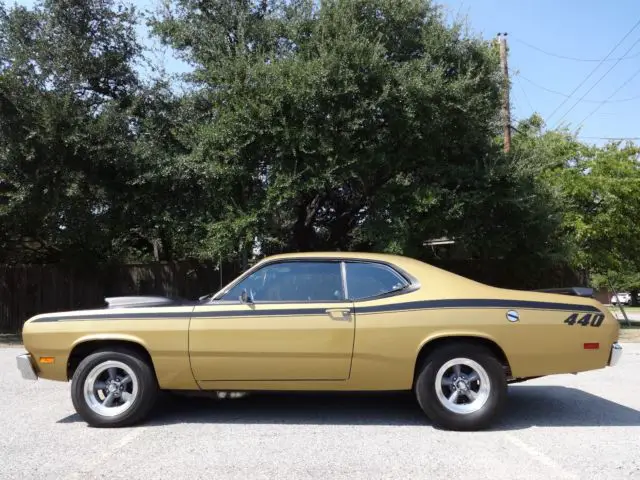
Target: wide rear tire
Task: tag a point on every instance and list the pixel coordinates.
(461, 386)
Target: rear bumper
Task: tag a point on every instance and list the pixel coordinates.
(616, 353)
(25, 365)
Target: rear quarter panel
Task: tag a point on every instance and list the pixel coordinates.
(388, 341)
(540, 343)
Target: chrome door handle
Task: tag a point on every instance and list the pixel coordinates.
(339, 314)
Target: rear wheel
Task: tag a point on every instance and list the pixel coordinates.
(113, 388)
(461, 387)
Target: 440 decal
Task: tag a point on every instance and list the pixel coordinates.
(589, 319)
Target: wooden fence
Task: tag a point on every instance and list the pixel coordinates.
(27, 290)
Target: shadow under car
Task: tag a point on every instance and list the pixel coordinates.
(527, 406)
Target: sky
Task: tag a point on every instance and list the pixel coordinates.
(565, 91)
(579, 29)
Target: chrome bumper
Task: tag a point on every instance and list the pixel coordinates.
(616, 353)
(26, 367)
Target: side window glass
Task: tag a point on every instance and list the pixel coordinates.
(367, 280)
(292, 282)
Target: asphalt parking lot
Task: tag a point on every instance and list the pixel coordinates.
(583, 426)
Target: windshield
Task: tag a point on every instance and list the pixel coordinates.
(217, 295)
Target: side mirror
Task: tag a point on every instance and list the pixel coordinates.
(245, 298)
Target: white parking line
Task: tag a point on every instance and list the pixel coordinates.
(109, 451)
(559, 471)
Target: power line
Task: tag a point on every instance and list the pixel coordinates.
(524, 93)
(551, 54)
(594, 70)
(585, 137)
(609, 138)
(556, 92)
(597, 82)
(637, 72)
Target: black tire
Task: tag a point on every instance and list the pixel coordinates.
(441, 416)
(143, 402)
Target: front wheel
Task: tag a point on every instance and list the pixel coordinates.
(461, 387)
(113, 388)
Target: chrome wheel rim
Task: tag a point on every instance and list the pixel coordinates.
(462, 386)
(111, 388)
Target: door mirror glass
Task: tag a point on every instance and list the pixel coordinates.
(245, 297)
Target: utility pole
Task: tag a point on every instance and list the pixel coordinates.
(506, 109)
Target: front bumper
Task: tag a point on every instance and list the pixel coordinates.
(25, 365)
(616, 353)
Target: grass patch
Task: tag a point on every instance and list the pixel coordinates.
(626, 309)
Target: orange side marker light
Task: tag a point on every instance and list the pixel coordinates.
(47, 360)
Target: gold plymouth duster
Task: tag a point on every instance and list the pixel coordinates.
(324, 322)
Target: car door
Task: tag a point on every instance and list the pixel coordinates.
(295, 324)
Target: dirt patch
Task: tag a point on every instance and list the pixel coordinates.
(630, 334)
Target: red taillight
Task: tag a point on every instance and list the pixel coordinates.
(591, 346)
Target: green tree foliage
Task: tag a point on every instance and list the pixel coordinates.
(603, 189)
(360, 124)
(599, 194)
(66, 81)
(334, 125)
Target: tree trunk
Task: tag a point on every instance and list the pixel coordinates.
(165, 242)
(156, 249)
(303, 237)
(245, 256)
(634, 298)
(303, 233)
(342, 227)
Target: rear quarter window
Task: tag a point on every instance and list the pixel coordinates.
(370, 280)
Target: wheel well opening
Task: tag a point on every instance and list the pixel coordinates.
(433, 345)
(84, 349)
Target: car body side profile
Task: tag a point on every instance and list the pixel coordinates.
(324, 322)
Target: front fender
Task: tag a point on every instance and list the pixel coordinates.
(123, 337)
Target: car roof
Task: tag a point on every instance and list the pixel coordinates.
(406, 263)
(349, 255)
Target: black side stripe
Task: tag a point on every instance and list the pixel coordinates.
(129, 315)
(478, 303)
(185, 315)
(279, 312)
